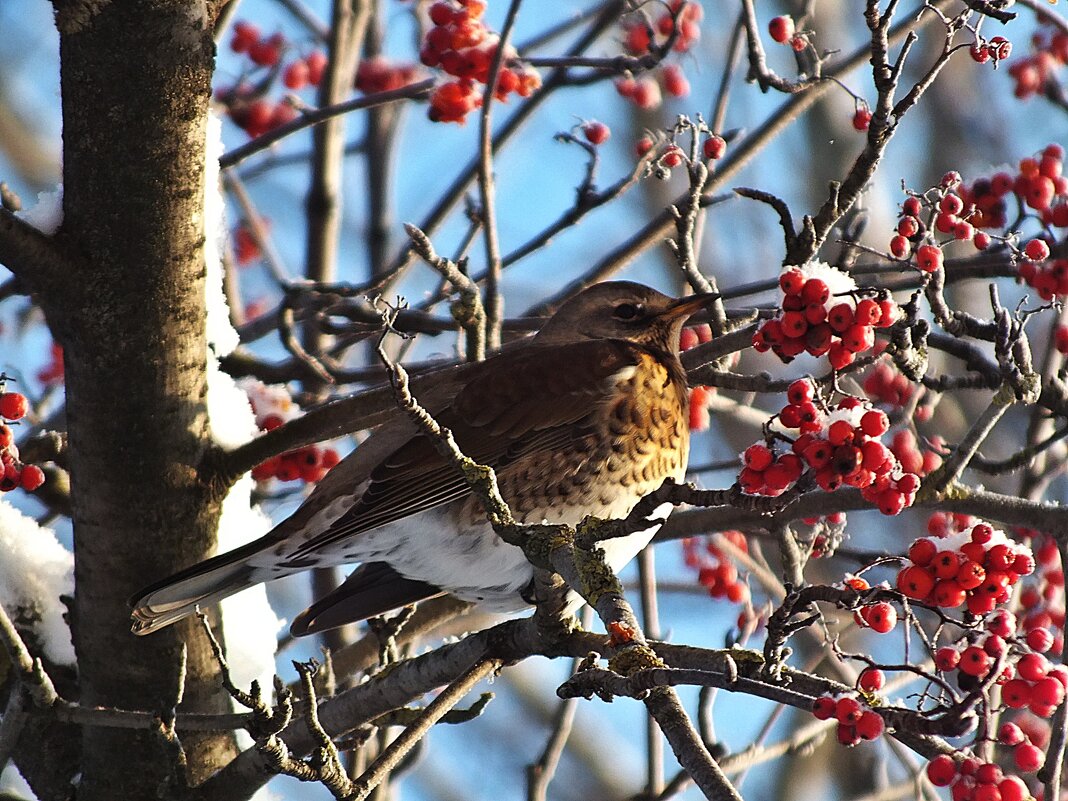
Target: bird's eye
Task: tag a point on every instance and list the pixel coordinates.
(627, 311)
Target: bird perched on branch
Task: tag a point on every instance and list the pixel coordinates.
(585, 419)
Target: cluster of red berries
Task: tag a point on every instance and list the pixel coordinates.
(715, 570)
(885, 384)
(647, 92)
(906, 448)
(712, 148)
(828, 532)
(246, 103)
(782, 30)
(820, 315)
(460, 44)
(1038, 685)
(835, 446)
(379, 74)
(309, 464)
(965, 563)
(639, 38)
(700, 396)
(952, 211)
(53, 372)
(1042, 598)
(856, 722)
(1033, 73)
(246, 248)
(272, 407)
(996, 50)
(972, 780)
(13, 473)
(880, 617)
(1026, 755)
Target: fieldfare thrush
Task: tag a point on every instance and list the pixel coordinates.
(585, 419)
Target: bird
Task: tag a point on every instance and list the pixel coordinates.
(585, 418)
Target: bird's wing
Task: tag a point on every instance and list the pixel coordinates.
(512, 406)
(373, 588)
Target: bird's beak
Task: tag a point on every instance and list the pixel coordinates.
(684, 307)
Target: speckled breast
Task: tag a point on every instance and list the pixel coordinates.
(622, 451)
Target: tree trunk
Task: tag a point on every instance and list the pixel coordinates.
(135, 90)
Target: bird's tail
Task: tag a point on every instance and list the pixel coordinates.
(201, 585)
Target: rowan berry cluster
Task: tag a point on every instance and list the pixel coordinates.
(13, 473)
(964, 563)
(970, 779)
(885, 384)
(826, 533)
(996, 50)
(53, 372)
(834, 446)
(246, 102)
(1042, 598)
(821, 313)
(906, 449)
(1033, 73)
(880, 617)
(246, 248)
(715, 570)
(460, 44)
(700, 396)
(641, 37)
(856, 721)
(273, 406)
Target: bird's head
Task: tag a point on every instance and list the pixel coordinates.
(623, 310)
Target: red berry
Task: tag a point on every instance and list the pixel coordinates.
(870, 726)
(596, 133)
(1036, 250)
(316, 61)
(31, 477)
(672, 156)
(922, 551)
(871, 680)
(815, 290)
(1032, 667)
(781, 29)
(824, 707)
(882, 617)
(848, 711)
(975, 661)
(791, 281)
(947, 658)
(942, 770)
(1010, 734)
(1027, 757)
(929, 258)
(13, 405)
(295, 76)
(862, 118)
(915, 582)
(1012, 788)
(1039, 640)
(1048, 692)
(714, 147)
(674, 80)
(1016, 693)
(875, 423)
